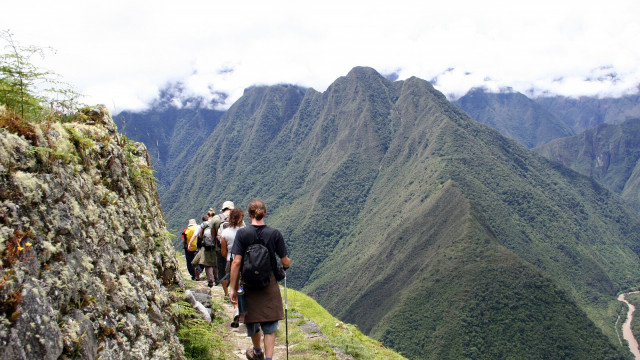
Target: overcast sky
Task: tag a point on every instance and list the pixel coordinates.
(121, 52)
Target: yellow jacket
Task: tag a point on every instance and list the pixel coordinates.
(189, 232)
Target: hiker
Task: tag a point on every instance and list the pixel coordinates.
(189, 248)
(208, 257)
(227, 237)
(264, 305)
(200, 268)
(222, 219)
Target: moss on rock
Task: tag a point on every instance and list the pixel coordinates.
(86, 256)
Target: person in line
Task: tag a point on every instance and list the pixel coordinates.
(228, 236)
(209, 259)
(189, 248)
(200, 268)
(207, 255)
(264, 306)
(222, 219)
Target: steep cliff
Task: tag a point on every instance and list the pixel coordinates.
(86, 258)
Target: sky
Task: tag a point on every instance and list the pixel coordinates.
(122, 53)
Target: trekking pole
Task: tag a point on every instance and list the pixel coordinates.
(286, 319)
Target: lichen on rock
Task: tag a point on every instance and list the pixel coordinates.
(86, 256)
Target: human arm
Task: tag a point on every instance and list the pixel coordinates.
(281, 250)
(234, 279)
(223, 248)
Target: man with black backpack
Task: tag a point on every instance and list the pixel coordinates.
(254, 251)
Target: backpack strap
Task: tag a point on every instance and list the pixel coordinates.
(259, 237)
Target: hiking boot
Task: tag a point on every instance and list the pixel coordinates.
(210, 284)
(251, 355)
(236, 319)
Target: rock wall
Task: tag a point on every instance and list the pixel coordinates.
(86, 257)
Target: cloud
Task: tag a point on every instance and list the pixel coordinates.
(123, 53)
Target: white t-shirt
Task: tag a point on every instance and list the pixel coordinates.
(229, 235)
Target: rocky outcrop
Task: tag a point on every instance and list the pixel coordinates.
(86, 258)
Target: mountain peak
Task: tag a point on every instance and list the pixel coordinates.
(361, 71)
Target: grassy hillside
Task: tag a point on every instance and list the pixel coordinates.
(336, 335)
(391, 200)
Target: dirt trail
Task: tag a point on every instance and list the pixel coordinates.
(626, 327)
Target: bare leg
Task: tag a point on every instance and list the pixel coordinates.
(269, 344)
(225, 287)
(255, 338)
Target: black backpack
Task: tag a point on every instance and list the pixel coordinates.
(256, 264)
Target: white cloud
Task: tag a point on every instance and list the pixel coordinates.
(121, 53)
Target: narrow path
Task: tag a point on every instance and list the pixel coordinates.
(626, 327)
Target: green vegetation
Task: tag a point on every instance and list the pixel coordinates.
(28, 90)
(140, 173)
(201, 341)
(336, 335)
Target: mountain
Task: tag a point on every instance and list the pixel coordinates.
(609, 153)
(586, 112)
(172, 135)
(430, 231)
(514, 115)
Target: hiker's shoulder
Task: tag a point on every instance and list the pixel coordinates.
(271, 231)
(243, 231)
(215, 220)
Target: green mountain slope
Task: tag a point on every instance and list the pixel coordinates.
(608, 153)
(586, 112)
(515, 116)
(404, 215)
(171, 135)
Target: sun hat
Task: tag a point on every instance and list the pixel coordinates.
(192, 222)
(227, 205)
